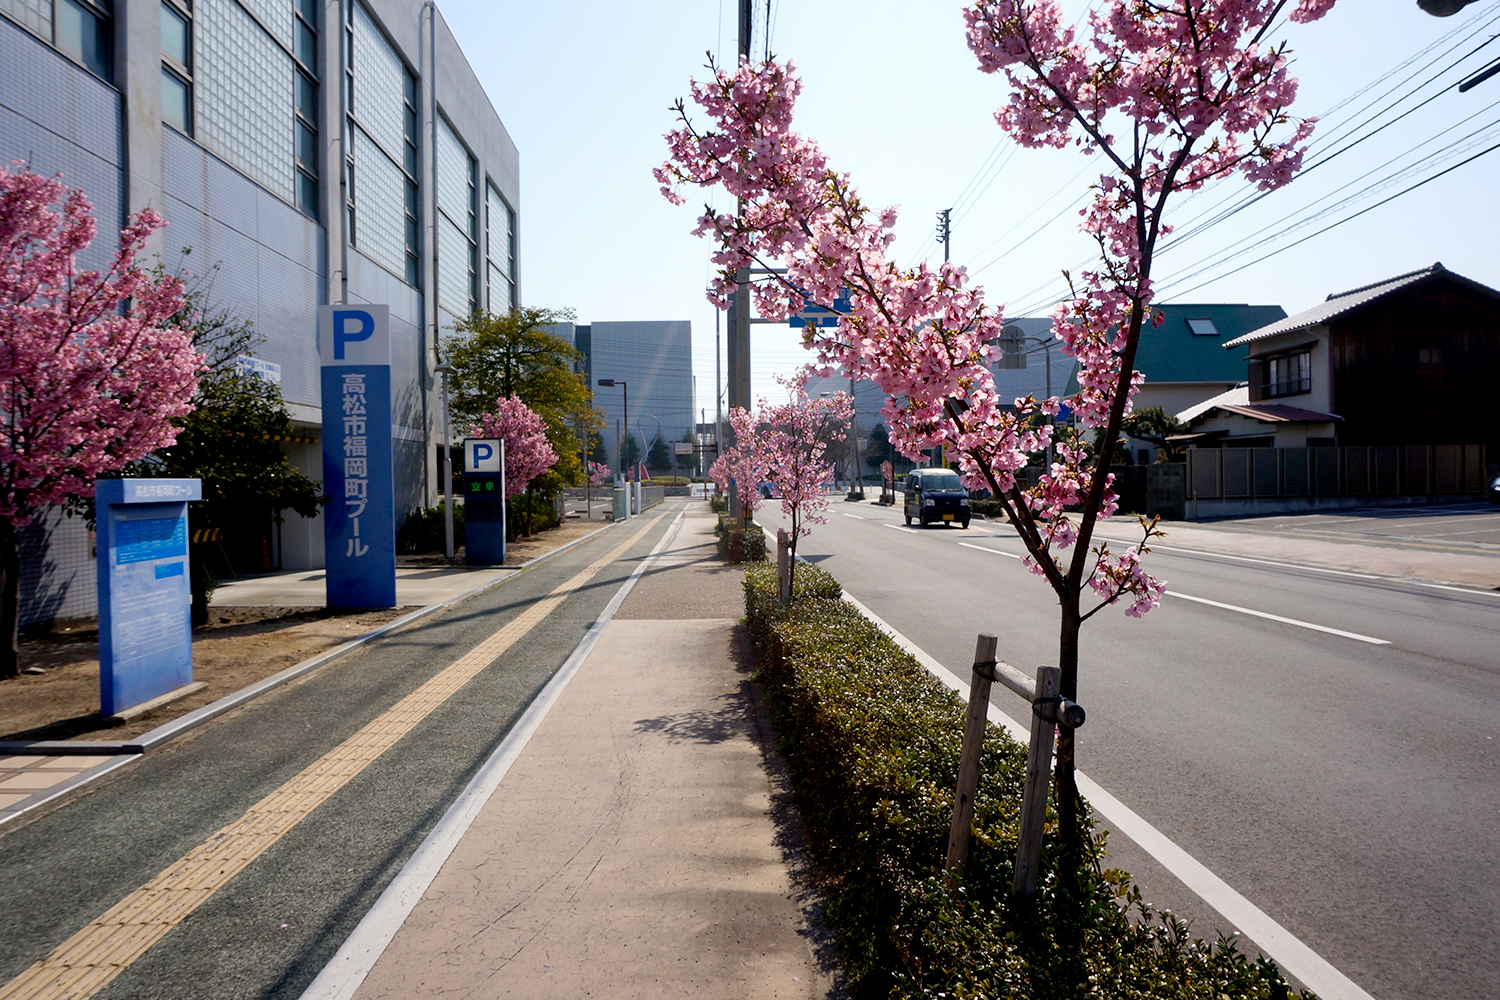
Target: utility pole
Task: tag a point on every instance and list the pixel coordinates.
(945, 230)
(739, 309)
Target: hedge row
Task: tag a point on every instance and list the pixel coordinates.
(872, 742)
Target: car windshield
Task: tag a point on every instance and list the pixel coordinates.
(941, 481)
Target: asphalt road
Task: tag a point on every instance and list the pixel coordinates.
(1349, 788)
(270, 930)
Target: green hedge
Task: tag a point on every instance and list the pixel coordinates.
(872, 742)
(740, 545)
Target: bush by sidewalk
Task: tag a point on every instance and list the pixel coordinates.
(872, 743)
(740, 544)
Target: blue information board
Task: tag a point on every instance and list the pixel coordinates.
(359, 523)
(145, 629)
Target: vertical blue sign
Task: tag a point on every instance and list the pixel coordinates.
(359, 523)
(145, 627)
(484, 501)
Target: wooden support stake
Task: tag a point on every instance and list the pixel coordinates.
(1038, 777)
(784, 565)
(968, 768)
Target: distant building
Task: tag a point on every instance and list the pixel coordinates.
(654, 358)
(315, 153)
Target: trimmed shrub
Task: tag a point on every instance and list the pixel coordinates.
(718, 503)
(423, 530)
(872, 743)
(738, 544)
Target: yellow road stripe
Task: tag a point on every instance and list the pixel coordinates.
(87, 961)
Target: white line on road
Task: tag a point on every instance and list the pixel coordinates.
(981, 548)
(855, 516)
(1231, 607)
(1275, 940)
(1306, 568)
(1284, 621)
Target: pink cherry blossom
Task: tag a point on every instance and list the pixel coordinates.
(527, 452)
(1167, 96)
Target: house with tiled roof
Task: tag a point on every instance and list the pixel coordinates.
(1411, 360)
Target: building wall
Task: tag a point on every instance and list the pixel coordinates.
(228, 183)
(1389, 393)
(655, 359)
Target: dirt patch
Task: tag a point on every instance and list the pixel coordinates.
(238, 646)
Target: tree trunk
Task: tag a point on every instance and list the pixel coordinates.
(1073, 855)
(10, 601)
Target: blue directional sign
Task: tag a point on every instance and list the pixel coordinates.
(816, 315)
(359, 523)
(145, 628)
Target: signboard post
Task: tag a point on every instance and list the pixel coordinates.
(484, 501)
(145, 630)
(359, 523)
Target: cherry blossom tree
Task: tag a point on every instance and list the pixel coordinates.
(1168, 96)
(92, 371)
(791, 440)
(598, 473)
(528, 454)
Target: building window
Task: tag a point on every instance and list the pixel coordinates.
(1429, 357)
(458, 223)
(177, 67)
(305, 107)
(500, 252)
(80, 28)
(1203, 327)
(1288, 374)
(381, 130)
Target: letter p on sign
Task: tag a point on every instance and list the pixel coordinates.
(354, 335)
(482, 455)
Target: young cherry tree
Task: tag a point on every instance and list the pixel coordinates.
(791, 440)
(528, 454)
(1167, 96)
(92, 373)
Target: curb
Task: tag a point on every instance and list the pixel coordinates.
(126, 750)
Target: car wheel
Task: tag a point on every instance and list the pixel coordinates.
(908, 520)
(963, 524)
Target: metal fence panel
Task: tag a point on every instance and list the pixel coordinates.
(1237, 472)
(1267, 465)
(1325, 463)
(1295, 480)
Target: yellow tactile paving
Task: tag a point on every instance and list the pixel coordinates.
(87, 961)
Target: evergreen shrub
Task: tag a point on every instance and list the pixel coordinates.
(872, 742)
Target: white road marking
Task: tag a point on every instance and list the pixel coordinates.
(1278, 618)
(1280, 944)
(1303, 567)
(855, 516)
(980, 548)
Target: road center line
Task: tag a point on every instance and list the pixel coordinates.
(1278, 618)
(1275, 940)
(89, 960)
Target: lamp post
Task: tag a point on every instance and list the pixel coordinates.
(610, 383)
(445, 371)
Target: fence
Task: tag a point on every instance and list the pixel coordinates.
(1350, 471)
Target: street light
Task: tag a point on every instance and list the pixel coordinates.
(445, 371)
(610, 383)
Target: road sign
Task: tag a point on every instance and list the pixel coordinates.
(816, 315)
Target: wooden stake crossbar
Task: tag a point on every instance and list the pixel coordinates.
(1048, 710)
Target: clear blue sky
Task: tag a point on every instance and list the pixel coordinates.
(895, 99)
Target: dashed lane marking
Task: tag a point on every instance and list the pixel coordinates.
(106, 947)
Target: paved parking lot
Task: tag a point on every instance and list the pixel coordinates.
(1448, 525)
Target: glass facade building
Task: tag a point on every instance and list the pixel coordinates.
(311, 153)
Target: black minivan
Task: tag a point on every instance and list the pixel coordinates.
(934, 496)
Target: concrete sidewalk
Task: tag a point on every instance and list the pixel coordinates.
(632, 849)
